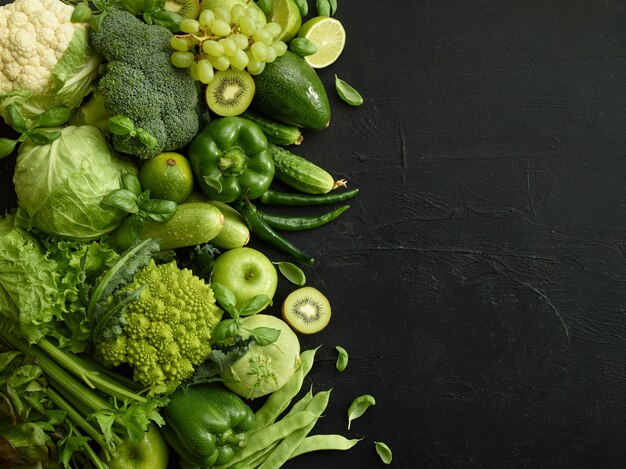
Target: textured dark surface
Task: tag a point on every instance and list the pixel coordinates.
(478, 281)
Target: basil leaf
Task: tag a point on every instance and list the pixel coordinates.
(100, 4)
(292, 272)
(347, 92)
(6, 147)
(16, 120)
(266, 6)
(302, 46)
(121, 125)
(322, 7)
(264, 335)
(147, 138)
(43, 137)
(254, 305)
(133, 6)
(123, 199)
(53, 117)
(159, 210)
(225, 330)
(131, 182)
(333, 6)
(359, 406)
(127, 233)
(342, 359)
(303, 6)
(168, 19)
(225, 298)
(383, 451)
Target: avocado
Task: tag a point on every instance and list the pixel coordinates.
(290, 91)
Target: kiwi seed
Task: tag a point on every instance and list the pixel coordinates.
(185, 8)
(306, 310)
(230, 92)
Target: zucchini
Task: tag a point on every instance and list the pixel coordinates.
(276, 132)
(193, 223)
(301, 174)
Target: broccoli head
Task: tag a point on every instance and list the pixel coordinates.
(168, 327)
(140, 82)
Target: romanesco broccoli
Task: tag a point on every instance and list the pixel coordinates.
(140, 82)
(168, 327)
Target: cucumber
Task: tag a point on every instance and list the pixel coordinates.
(235, 233)
(193, 223)
(300, 173)
(290, 91)
(276, 132)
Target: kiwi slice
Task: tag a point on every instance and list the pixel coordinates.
(185, 8)
(306, 310)
(230, 92)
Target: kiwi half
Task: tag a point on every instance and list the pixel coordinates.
(306, 310)
(185, 8)
(230, 92)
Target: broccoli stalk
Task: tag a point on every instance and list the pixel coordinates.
(79, 387)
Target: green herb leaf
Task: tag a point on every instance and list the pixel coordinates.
(122, 199)
(147, 138)
(168, 19)
(291, 272)
(201, 261)
(225, 329)
(264, 335)
(348, 93)
(254, 305)
(131, 182)
(359, 406)
(221, 358)
(333, 6)
(383, 451)
(342, 359)
(120, 125)
(303, 6)
(6, 147)
(266, 6)
(323, 7)
(43, 137)
(53, 117)
(15, 118)
(159, 210)
(133, 6)
(225, 298)
(302, 46)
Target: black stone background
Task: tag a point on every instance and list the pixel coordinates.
(478, 281)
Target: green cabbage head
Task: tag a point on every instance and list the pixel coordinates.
(61, 185)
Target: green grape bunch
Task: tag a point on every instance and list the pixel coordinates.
(219, 39)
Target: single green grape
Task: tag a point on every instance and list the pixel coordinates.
(241, 40)
(279, 47)
(263, 36)
(193, 71)
(259, 51)
(255, 67)
(189, 25)
(220, 63)
(236, 12)
(240, 60)
(247, 25)
(222, 13)
(206, 18)
(213, 48)
(229, 46)
(270, 56)
(220, 27)
(179, 43)
(273, 29)
(182, 59)
(205, 71)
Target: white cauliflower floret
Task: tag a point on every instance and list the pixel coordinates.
(34, 34)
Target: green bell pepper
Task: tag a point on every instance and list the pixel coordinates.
(205, 424)
(231, 159)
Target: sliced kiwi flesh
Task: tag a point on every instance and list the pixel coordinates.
(185, 8)
(230, 92)
(306, 310)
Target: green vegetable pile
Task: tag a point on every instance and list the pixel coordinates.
(135, 330)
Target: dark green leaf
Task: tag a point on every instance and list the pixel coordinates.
(6, 358)
(123, 199)
(302, 46)
(100, 4)
(133, 6)
(120, 125)
(168, 19)
(347, 92)
(265, 6)
(127, 233)
(16, 120)
(225, 298)
(383, 451)
(359, 406)
(147, 138)
(264, 335)
(95, 22)
(201, 261)
(43, 137)
(221, 358)
(322, 7)
(159, 210)
(333, 6)
(53, 117)
(342, 358)
(303, 6)
(6, 146)
(225, 330)
(24, 374)
(292, 272)
(131, 182)
(254, 305)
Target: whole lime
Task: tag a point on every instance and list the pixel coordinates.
(167, 176)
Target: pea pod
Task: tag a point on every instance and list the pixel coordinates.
(279, 222)
(273, 197)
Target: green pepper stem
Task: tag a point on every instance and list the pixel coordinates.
(233, 161)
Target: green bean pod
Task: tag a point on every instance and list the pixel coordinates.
(323, 442)
(273, 197)
(284, 223)
(266, 233)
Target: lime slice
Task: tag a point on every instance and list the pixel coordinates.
(287, 14)
(328, 36)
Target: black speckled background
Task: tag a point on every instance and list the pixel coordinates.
(478, 281)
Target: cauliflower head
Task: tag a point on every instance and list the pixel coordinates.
(168, 327)
(34, 35)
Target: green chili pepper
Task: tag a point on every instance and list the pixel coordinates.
(266, 233)
(230, 158)
(206, 424)
(279, 222)
(273, 197)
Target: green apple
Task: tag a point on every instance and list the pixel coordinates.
(246, 272)
(149, 453)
